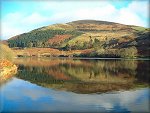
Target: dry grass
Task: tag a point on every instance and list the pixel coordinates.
(5, 63)
(7, 69)
(58, 38)
(47, 51)
(6, 52)
(58, 27)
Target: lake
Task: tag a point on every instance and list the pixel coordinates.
(77, 85)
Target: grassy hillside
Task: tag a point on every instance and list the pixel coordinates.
(104, 38)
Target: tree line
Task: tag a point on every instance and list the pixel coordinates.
(39, 38)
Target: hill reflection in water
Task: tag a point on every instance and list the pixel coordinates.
(84, 75)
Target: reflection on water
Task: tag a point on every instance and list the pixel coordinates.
(22, 96)
(75, 85)
(84, 76)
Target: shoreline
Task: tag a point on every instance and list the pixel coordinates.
(85, 58)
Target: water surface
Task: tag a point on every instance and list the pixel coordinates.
(77, 85)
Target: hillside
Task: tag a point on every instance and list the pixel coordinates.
(104, 39)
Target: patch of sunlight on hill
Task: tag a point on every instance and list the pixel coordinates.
(102, 36)
(82, 38)
(58, 27)
(138, 28)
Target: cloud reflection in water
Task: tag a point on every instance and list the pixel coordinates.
(44, 99)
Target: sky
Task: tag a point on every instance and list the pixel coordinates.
(20, 16)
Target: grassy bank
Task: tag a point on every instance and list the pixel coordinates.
(7, 68)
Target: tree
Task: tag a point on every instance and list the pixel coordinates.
(85, 45)
(90, 42)
(30, 44)
(96, 43)
(129, 52)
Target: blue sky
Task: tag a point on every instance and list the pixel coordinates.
(22, 16)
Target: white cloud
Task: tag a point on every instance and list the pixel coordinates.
(34, 18)
(134, 14)
(129, 15)
(13, 16)
(96, 13)
(9, 30)
(140, 8)
(129, 18)
(17, 23)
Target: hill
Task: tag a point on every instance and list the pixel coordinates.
(104, 39)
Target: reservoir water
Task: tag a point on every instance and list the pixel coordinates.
(77, 85)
